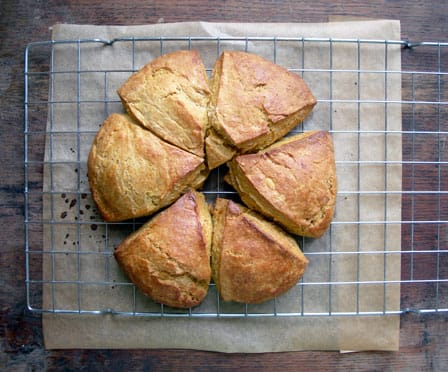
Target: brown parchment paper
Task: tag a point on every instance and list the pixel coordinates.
(362, 132)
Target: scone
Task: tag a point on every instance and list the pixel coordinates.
(168, 258)
(170, 96)
(254, 103)
(253, 260)
(133, 173)
(292, 182)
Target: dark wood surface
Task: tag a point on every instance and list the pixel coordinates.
(423, 338)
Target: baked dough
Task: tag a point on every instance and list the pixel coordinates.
(170, 96)
(218, 151)
(133, 173)
(292, 182)
(177, 128)
(254, 103)
(253, 260)
(168, 258)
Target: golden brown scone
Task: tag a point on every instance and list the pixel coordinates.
(292, 182)
(218, 152)
(253, 260)
(168, 258)
(170, 96)
(254, 102)
(133, 173)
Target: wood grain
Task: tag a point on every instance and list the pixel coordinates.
(424, 338)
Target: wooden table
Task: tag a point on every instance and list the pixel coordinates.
(424, 338)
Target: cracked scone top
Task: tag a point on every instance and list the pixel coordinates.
(253, 260)
(292, 182)
(170, 96)
(254, 102)
(168, 258)
(133, 173)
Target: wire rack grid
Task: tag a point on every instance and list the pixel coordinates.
(392, 234)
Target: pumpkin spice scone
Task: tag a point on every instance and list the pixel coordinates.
(133, 173)
(168, 258)
(254, 102)
(253, 260)
(170, 96)
(292, 182)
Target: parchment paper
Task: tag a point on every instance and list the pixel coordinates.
(363, 132)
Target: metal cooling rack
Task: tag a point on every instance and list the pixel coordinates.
(424, 194)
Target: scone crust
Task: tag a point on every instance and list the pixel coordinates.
(292, 182)
(168, 258)
(170, 96)
(255, 101)
(253, 260)
(133, 173)
(217, 150)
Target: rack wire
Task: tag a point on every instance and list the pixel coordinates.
(69, 249)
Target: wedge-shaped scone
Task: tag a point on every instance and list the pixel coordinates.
(254, 103)
(253, 260)
(292, 182)
(133, 173)
(168, 258)
(170, 96)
